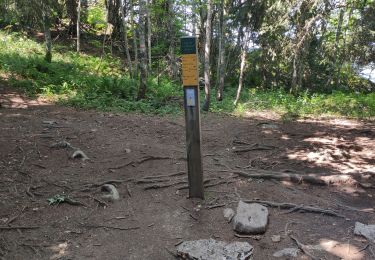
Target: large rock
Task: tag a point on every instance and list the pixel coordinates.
(368, 231)
(287, 252)
(210, 249)
(250, 218)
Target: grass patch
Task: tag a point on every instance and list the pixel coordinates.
(87, 81)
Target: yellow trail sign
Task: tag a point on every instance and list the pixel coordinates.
(190, 69)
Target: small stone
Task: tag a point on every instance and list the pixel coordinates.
(250, 218)
(368, 231)
(210, 249)
(287, 252)
(276, 238)
(228, 214)
(127, 150)
(113, 193)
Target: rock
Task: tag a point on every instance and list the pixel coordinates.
(113, 193)
(276, 238)
(368, 231)
(210, 249)
(228, 214)
(250, 218)
(80, 154)
(287, 252)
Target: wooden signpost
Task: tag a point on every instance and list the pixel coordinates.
(192, 116)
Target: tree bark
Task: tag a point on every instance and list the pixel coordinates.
(142, 51)
(134, 32)
(221, 62)
(47, 32)
(149, 33)
(173, 69)
(78, 24)
(207, 52)
(126, 42)
(242, 69)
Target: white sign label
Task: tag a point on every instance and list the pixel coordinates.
(190, 97)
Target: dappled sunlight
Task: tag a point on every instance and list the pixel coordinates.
(344, 251)
(59, 250)
(14, 100)
(345, 156)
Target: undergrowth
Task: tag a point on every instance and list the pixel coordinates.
(87, 81)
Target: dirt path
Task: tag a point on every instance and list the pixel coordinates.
(130, 147)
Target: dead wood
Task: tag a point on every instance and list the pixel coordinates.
(140, 161)
(19, 227)
(216, 206)
(303, 248)
(302, 208)
(160, 186)
(110, 227)
(254, 147)
(165, 175)
(128, 190)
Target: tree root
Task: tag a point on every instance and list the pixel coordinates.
(296, 207)
(19, 227)
(314, 179)
(140, 161)
(303, 248)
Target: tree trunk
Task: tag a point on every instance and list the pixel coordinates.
(221, 63)
(142, 51)
(207, 52)
(71, 10)
(149, 34)
(126, 42)
(173, 68)
(78, 24)
(242, 69)
(134, 32)
(47, 32)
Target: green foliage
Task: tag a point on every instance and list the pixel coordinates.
(57, 199)
(87, 81)
(96, 16)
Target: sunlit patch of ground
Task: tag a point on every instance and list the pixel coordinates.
(15, 100)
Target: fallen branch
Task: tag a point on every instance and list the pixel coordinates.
(19, 227)
(140, 161)
(110, 227)
(285, 205)
(215, 206)
(303, 248)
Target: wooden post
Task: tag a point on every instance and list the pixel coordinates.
(192, 116)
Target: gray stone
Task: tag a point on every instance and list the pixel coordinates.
(228, 214)
(368, 231)
(250, 218)
(210, 249)
(276, 238)
(287, 252)
(113, 193)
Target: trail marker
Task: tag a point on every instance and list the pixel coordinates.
(192, 116)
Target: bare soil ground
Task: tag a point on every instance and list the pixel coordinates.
(130, 147)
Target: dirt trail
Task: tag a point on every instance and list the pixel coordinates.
(31, 171)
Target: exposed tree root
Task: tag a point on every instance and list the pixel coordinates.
(314, 179)
(110, 227)
(19, 227)
(303, 248)
(140, 161)
(296, 207)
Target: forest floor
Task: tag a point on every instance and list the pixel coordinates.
(149, 223)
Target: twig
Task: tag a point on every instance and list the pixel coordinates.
(15, 217)
(19, 227)
(110, 227)
(243, 236)
(128, 190)
(192, 216)
(303, 248)
(140, 161)
(292, 206)
(216, 206)
(161, 186)
(165, 175)
(362, 249)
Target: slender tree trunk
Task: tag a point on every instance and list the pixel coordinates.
(221, 62)
(207, 52)
(135, 46)
(126, 42)
(173, 69)
(242, 69)
(47, 31)
(149, 34)
(142, 51)
(78, 24)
